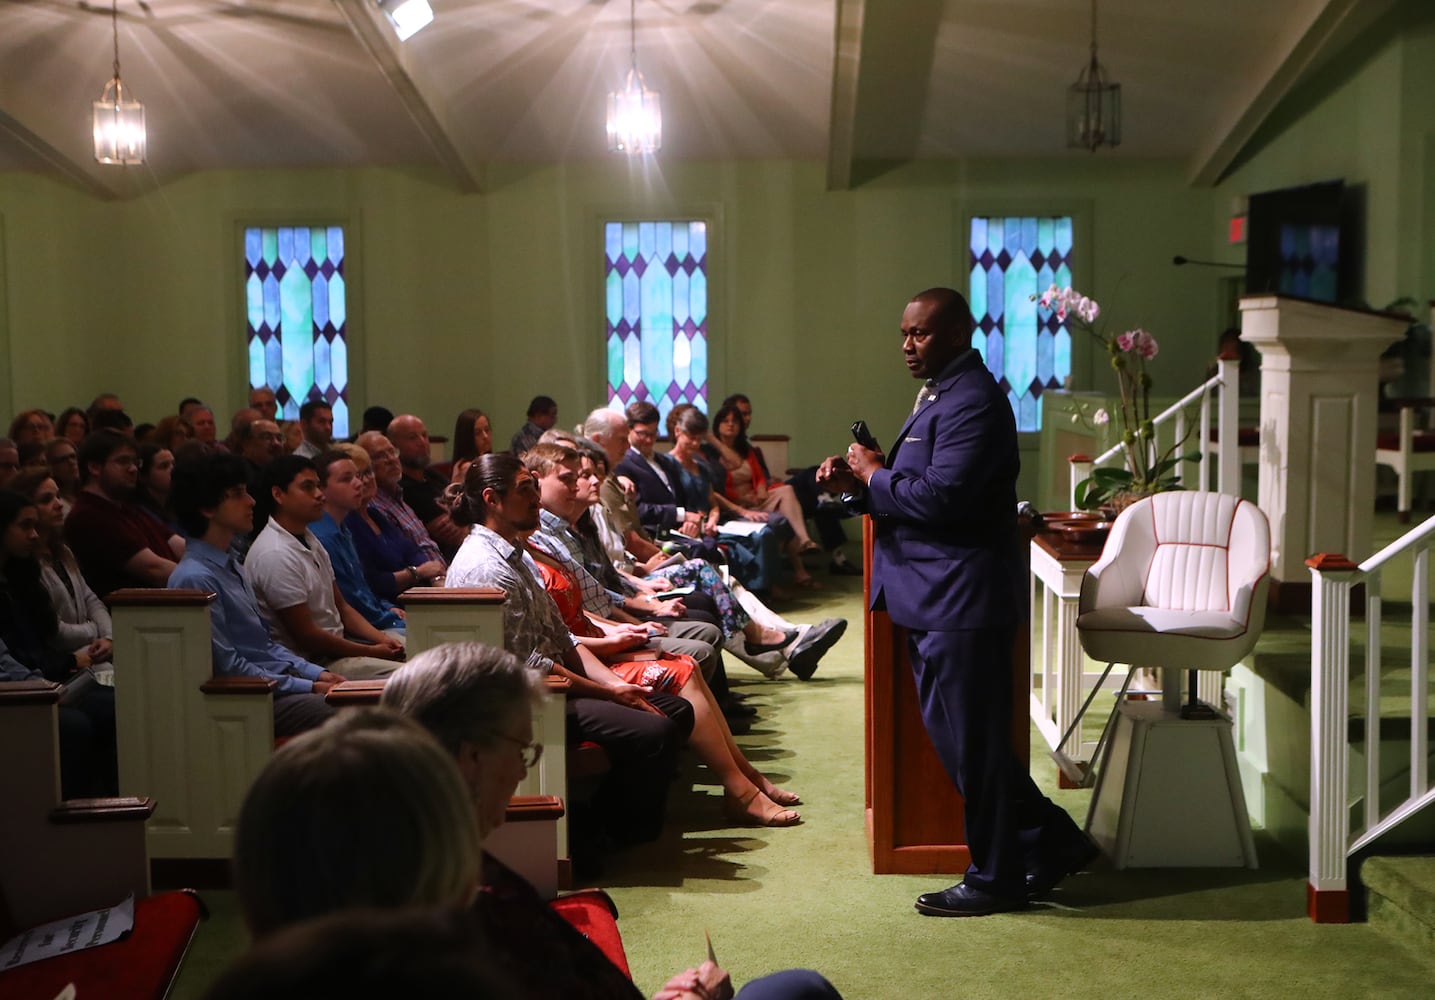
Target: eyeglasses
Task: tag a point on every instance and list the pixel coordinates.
(364, 474)
(531, 751)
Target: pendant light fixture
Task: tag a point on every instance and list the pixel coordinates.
(1093, 104)
(635, 113)
(118, 115)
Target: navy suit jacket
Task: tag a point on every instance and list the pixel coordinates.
(945, 553)
(657, 505)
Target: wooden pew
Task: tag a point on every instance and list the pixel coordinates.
(59, 859)
(436, 615)
(192, 741)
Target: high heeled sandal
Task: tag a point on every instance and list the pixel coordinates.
(737, 811)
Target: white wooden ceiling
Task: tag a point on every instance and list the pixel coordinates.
(285, 83)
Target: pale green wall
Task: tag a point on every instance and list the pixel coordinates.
(463, 300)
(1371, 123)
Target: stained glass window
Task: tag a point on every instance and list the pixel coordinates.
(656, 288)
(1027, 349)
(294, 297)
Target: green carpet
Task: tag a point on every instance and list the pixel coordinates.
(806, 896)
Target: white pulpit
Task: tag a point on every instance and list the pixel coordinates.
(1319, 388)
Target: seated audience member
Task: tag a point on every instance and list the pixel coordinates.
(478, 702)
(294, 580)
(472, 437)
(376, 418)
(556, 467)
(391, 562)
(828, 517)
(206, 428)
(542, 414)
(238, 424)
(28, 627)
(105, 401)
(112, 420)
(73, 424)
(747, 485)
(422, 487)
(214, 505)
(83, 621)
(316, 424)
(748, 796)
(9, 461)
(752, 631)
(389, 494)
(117, 544)
(31, 427)
(171, 432)
(264, 400)
(371, 954)
(31, 455)
(258, 442)
(366, 811)
(640, 731)
(603, 547)
(343, 495)
(669, 502)
(152, 484)
(62, 457)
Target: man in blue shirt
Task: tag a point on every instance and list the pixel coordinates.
(213, 505)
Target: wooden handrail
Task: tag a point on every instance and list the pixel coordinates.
(354, 694)
(31, 692)
(454, 595)
(111, 810)
(239, 685)
(133, 597)
(533, 809)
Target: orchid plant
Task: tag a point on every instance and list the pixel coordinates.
(1147, 470)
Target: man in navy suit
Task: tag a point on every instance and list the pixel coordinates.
(947, 566)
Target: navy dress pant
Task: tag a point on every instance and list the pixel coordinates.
(964, 688)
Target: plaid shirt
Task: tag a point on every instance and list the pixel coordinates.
(408, 522)
(532, 626)
(557, 538)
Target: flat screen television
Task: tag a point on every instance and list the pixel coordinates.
(1295, 242)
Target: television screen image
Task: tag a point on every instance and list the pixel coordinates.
(1294, 242)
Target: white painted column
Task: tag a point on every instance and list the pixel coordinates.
(1326, 892)
(1318, 409)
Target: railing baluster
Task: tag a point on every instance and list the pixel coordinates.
(1420, 672)
(1373, 608)
(1204, 429)
(1331, 579)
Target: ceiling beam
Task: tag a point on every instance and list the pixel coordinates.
(76, 173)
(1334, 27)
(882, 73)
(846, 63)
(418, 96)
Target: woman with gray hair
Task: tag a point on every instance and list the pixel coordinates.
(478, 702)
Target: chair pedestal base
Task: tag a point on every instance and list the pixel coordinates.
(1168, 794)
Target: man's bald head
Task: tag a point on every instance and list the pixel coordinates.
(411, 438)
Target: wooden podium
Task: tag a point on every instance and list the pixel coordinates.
(914, 814)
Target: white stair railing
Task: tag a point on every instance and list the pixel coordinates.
(1337, 830)
(1219, 393)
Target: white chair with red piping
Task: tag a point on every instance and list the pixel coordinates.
(1181, 585)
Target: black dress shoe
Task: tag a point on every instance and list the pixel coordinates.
(844, 569)
(961, 900)
(803, 656)
(1074, 858)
